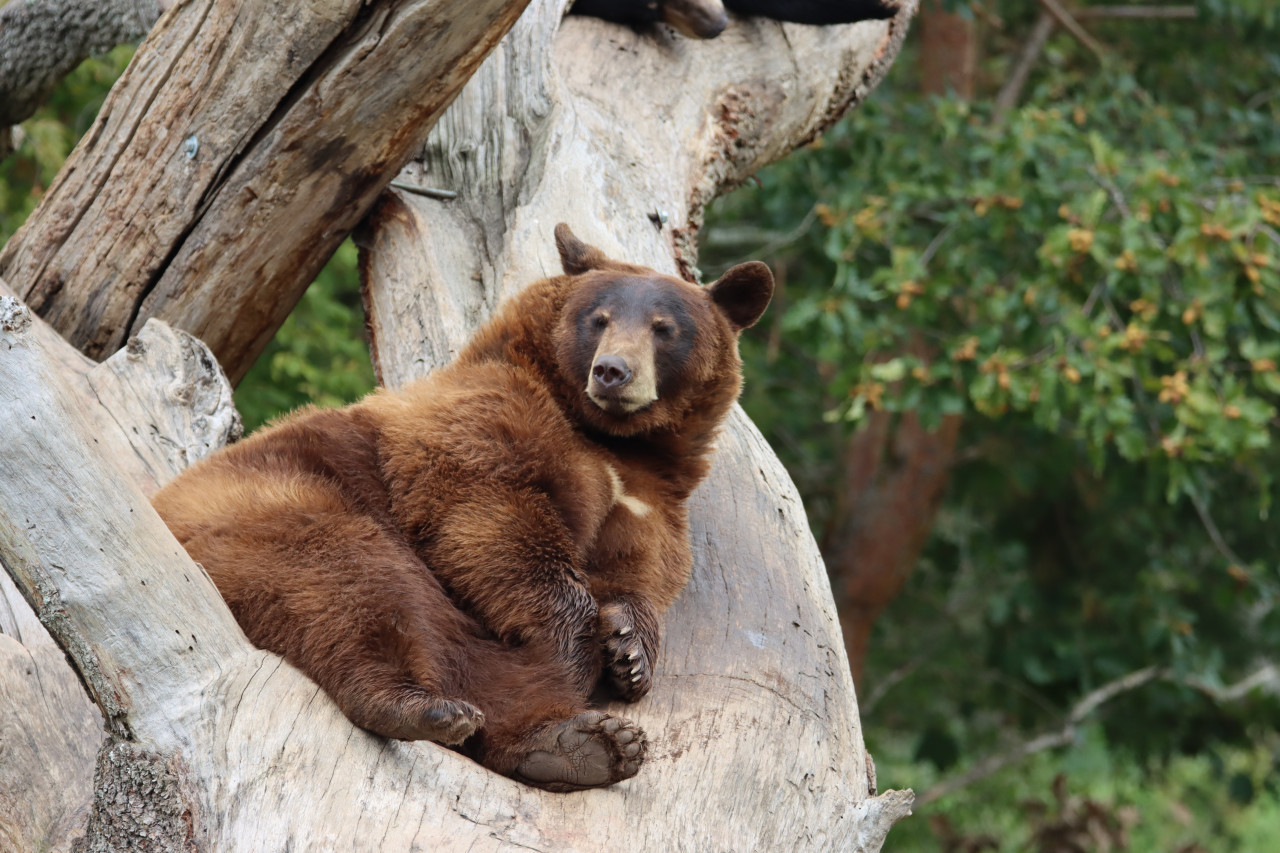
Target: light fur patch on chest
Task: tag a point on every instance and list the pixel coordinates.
(620, 496)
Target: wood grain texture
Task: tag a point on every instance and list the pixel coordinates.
(165, 403)
(627, 137)
(231, 159)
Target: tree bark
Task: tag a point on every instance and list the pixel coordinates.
(240, 147)
(893, 477)
(215, 745)
(42, 40)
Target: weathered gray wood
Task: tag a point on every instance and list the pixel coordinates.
(166, 401)
(49, 734)
(627, 137)
(239, 148)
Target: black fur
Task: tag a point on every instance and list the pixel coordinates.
(706, 18)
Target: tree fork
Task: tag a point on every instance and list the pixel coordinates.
(554, 127)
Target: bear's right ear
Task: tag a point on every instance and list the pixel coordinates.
(743, 293)
(576, 256)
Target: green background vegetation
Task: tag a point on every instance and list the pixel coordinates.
(1092, 282)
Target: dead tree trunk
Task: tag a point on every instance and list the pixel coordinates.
(627, 137)
(214, 745)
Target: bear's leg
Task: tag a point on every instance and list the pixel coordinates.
(347, 603)
(392, 640)
(377, 696)
(508, 557)
(539, 729)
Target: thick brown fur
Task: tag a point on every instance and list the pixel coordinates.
(462, 560)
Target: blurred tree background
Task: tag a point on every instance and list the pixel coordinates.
(1023, 365)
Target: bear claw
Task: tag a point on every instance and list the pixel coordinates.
(445, 721)
(627, 667)
(587, 751)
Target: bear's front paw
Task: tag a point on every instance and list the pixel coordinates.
(628, 658)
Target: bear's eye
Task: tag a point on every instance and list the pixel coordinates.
(663, 329)
(600, 321)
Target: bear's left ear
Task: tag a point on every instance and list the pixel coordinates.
(743, 293)
(576, 256)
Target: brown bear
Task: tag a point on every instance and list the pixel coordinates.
(464, 559)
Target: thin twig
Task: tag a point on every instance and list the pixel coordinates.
(1011, 91)
(1048, 740)
(1214, 533)
(1073, 26)
(935, 243)
(1267, 674)
(868, 704)
(1137, 12)
(1112, 190)
(1111, 690)
(1087, 308)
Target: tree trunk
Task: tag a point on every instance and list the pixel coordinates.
(627, 137)
(893, 476)
(215, 745)
(948, 51)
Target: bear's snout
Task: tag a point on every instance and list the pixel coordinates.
(610, 372)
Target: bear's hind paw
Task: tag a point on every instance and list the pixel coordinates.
(445, 721)
(590, 750)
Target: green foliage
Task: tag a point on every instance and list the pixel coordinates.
(50, 135)
(1080, 265)
(1224, 800)
(1093, 283)
(319, 356)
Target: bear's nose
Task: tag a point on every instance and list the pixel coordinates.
(610, 371)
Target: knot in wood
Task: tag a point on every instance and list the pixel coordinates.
(15, 318)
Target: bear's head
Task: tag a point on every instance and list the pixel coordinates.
(642, 351)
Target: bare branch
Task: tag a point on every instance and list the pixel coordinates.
(1072, 26)
(1268, 675)
(1011, 91)
(1138, 12)
(1215, 535)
